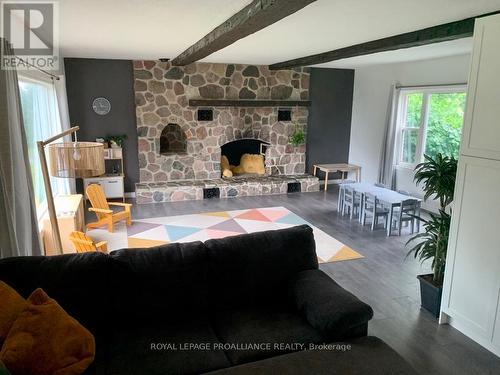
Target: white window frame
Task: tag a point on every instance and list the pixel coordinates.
(427, 91)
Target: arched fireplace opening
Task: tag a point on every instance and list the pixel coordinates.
(172, 140)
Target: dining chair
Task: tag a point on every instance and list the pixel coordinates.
(372, 206)
(405, 213)
(351, 202)
(341, 193)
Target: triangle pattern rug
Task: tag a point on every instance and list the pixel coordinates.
(158, 231)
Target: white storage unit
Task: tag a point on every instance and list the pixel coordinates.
(471, 290)
(112, 185)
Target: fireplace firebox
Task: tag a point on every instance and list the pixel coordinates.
(235, 149)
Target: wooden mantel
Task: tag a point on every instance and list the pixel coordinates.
(248, 103)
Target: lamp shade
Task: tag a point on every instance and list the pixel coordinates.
(76, 159)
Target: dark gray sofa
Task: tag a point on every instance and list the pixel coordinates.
(151, 310)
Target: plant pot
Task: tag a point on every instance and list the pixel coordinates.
(430, 294)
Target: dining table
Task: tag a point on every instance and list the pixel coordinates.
(390, 198)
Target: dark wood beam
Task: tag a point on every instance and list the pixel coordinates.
(436, 34)
(247, 103)
(254, 17)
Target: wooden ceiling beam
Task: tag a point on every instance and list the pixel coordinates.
(436, 34)
(254, 17)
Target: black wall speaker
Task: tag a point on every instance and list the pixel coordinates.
(284, 115)
(205, 115)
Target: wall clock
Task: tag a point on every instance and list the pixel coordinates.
(101, 106)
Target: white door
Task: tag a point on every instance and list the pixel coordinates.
(482, 115)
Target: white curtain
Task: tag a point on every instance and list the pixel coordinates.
(387, 173)
(42, 121)
(18, 219)
(62, 104)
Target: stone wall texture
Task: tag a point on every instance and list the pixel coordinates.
(162, 94)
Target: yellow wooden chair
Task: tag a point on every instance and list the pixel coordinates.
(84, 243)
(106, 216)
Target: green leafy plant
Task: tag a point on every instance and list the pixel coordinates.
(438, 178)
(118, 139)
(298, 136)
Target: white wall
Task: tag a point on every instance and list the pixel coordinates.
(370, 105)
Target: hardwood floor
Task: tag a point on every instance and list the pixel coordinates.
(385, 279)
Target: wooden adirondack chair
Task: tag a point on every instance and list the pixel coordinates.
(105, 216)
(84, 243)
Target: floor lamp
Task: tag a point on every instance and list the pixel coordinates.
(68, 160)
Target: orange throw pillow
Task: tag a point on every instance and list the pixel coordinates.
(45, 340)
(11, 305)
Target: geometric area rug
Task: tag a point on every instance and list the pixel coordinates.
(204, 226)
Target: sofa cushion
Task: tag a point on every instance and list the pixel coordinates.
(141, 349)
(277, 324)
(158, 282)
(367, 356)
(45, 340)
(78, 282)
(11, 305)
(255, 268)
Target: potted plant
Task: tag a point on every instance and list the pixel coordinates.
(298, 136)
(116, 141)
(438, 176)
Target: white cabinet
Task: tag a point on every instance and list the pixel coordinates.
(482, 116)
(112, 185)
(471, 290)
(472, 286)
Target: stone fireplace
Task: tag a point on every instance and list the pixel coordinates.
(177, 148)
(162, 101)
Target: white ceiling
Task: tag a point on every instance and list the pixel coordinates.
(138, 29)
(150, 29)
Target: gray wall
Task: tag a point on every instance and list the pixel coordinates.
(87, 79)
(329, 129)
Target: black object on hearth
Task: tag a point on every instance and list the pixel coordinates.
(293, 187)
(209, 193)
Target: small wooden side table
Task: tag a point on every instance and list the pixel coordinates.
(340, 167)
(70, 217)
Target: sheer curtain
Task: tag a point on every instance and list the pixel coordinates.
(387, 174)
(63, 109)
(18, 219)
(42, 120)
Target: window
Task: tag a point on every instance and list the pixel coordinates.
(41, 121)
(430, 122)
